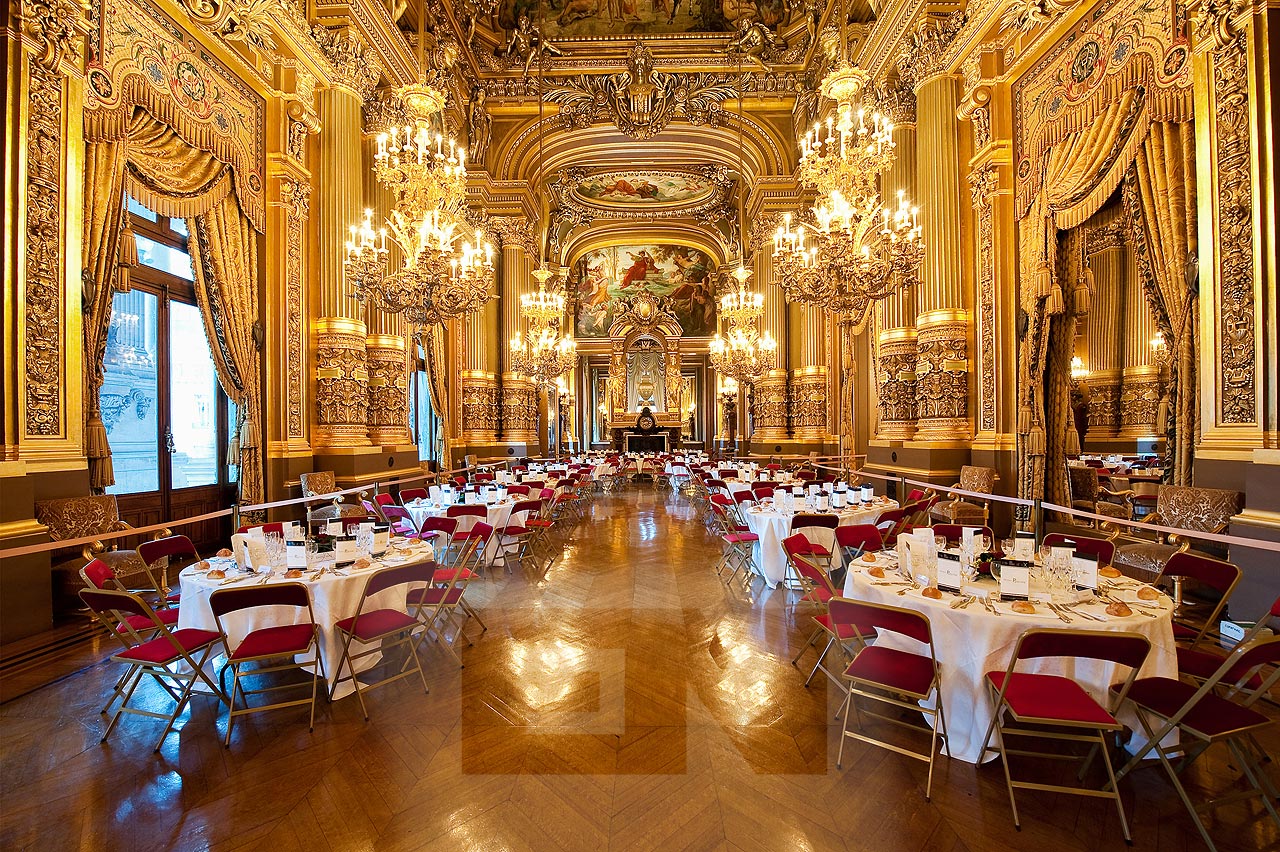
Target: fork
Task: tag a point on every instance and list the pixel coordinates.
(1060, 612)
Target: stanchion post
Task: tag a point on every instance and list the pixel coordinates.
(1038, 520)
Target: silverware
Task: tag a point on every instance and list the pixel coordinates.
(991, 606)
(1060, 612)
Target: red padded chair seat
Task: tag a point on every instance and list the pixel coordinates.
(513, 531)
(168, 617)
(160, 651)
(279, 641)
(899, 671)
(740, 538)
(1182, 631)
(542, 523)
(844, 631)
(812, 549)
(445, 575)
(1203, 664)
(376, 624)
(434, 595)
(1210, 717)
(1052, 697)
(466, 536)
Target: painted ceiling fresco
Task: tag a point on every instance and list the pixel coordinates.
(569, 19)
(643, 189)
(679, 275)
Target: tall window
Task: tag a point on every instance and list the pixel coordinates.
(423, 422)
(167, 420)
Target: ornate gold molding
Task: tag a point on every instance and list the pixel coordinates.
(388, 386)
(1104, 408)
(897, 100)
(942, 381)
(925, 52)
(342, 382)
(984, 183)
(295, 198)
(808, 403)
(356, 66)
(481, 407)
(519, 409)
(896, 378)
(53, 29)
(769, 407)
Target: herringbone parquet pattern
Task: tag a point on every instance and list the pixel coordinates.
(625, 701)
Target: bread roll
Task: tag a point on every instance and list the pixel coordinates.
(1108, 571)
(225, 552)
(876, 571)
(1024, 607)
(362, 562)
(931, 592)
(292, 574)
(868, 557)
(202, 565)
(216, 574)
(1119, 609)
(1146, 593)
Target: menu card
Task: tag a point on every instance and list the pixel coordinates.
(1084, 570)
(949, 571)
(837, 499)
(1015, 580)
(1024, 546)
(334, 528)
(968, 536)
(295, 554)
(256, 534)
(293, 532)
(868, 492)
(344, 549)
(824, 503)
(381, 538)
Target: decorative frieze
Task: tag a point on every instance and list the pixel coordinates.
(295, 198)
(1139, 406)
(388, 368)
(896, 377)
(942, 381)
(481, 407)
(769, 406)
(808, 392)
(519, 409)
(984, 182)
(1104, 408)
(926, 49)
(342, 383)
(356, 66)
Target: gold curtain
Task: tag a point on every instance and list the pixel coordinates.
(1162, 184)
(166, 174)
(1080, 173)
(103, 222)
(224, 257)
(433, 352)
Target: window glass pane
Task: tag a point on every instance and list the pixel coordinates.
(165, 258)
(193, 399)
(179, 226)
(423, 418)
(233, 459)
(130, 391)
(137, 209)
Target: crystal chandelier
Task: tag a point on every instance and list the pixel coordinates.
(854, 251)
(742, 354)
(442, 273)
(543, 354)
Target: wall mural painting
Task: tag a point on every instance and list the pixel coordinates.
(679, 275)
(643, 189)
(568, 19)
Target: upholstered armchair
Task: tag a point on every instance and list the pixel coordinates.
(1143, 555)
(77, 517)
(959, 510)
(1087, 494)
(319, 483)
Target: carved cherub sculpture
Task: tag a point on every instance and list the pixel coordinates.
(526, 43)
(755, 41)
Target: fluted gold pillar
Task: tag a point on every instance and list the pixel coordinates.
(769, 420)
(1103, 339)
(342, 376)
(1140, 392)
(519, 395)
(943, 319)
(896, 343)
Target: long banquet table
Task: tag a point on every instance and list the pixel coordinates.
(773, 525)
(971, 641)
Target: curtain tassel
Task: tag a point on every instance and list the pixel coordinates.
(1036, 441)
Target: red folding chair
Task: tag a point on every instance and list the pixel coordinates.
(376, 626)
(439, 533)
(1057, 708)
(170, 549)
(437, 605)
(518, 490)
(900, 679)
(1219, 576)
(818, 590)
(401, 521)
(277, 647)
(856, 539)
(891, 524)
(1200, 664)
(803, 521)
(739, 542)
(1104, 549)
(409, 494)
(1203, 719)
(159, 657)
(517, 532)
(384, 498)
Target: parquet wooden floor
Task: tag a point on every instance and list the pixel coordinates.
(627, 700)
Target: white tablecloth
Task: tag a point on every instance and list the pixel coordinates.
(773, 527)
(970, 642)
(333, 598)
(499, 515)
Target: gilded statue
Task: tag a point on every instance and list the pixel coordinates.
(755, 41)
(481, 126)
(526, 43)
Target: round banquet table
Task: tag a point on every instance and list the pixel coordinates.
(499, 514)
(971, 641)
(333, 598)
(773, 526)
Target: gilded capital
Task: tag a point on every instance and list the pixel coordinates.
(925, 53)
(53, 28)
(897, 100)
(356, 67)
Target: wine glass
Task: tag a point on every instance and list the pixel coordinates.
(940, 541)
(984, 542)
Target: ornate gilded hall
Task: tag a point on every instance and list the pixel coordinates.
(300, 280)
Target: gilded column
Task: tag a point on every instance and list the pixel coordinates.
(519, 395)
(896, 335)
(339, 333)
(1140, 392)
(943, 319)
(769, 394)
(808, 390)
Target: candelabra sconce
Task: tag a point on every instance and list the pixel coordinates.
(1160, 350)
(1079, 372)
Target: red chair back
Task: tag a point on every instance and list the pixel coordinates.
(955, 532)
(518, 490)
(98, 574)
(1126, 649)
(463, 510)
(546, 494)
(417, 572)
(483, 477)
(384, 499)
(743, 497)
(1219, 575)
(794, 546)
(273, 527)
(915, 495)
(178, 546)
(1102, 548)
(532, 506)
(864, 615)
(865, 536)
(723, 500)
(727, 473)
(481, 531)
(803, 520)
(807, 475)
(223, 601)
(105, 601)
(535, 483)
(448, 526)
(399, 518)
(407, 494)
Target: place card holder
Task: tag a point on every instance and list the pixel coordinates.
(334, 528)
(381, 538)
(295, 554)
(344, 549)
(949, 573)
(1015, 579)
(1084, 570)
(824, 503)
(1024, 546)
(293, 531)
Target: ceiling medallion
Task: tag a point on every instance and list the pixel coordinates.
(641, 101)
